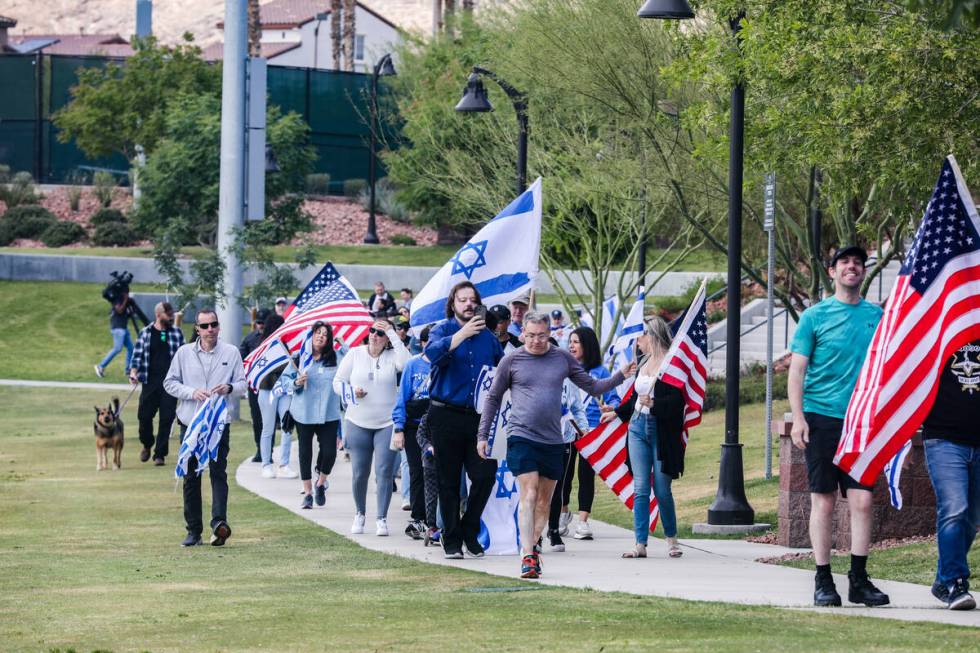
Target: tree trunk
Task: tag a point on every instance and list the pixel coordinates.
(350, 28)
(335, 11)
(254, 29)
(436, 17)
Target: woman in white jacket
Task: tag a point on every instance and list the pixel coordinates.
(371, 374)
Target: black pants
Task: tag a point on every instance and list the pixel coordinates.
(326, 438)
(568, 469)
(153, 399)
(253, 408)
(586, 483)
(416, 485)
(453, 436)
(217, 470)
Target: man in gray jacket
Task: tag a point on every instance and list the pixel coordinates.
(199, 370)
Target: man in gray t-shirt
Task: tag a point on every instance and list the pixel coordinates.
(535, 374)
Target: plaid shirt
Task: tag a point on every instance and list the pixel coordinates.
(141, 353)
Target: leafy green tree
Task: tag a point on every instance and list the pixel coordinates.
(116, 107)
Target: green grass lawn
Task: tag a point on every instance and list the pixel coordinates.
(427, 256)
(89, 561)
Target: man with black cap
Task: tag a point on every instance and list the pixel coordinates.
(559, 330)
(498, 321)
(828, 350)
(249, 343)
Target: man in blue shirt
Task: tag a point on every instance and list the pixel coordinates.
(460, 349)
(829, 347)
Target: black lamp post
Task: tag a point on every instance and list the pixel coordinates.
(475, 100)
(730, 506)
(383, 67)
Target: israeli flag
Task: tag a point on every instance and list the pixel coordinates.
(630, 329)
(203, 435)
(273, 358)
(501, 260)
(306, 351)
(612, 322)
(347, 396)
(893, 472)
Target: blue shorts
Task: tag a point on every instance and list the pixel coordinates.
(525, 456)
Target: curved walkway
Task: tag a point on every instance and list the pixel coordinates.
(710, 570)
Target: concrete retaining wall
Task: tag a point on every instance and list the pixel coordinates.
(96, 269)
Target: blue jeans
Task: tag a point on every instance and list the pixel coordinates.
(642, 442)
(269, 408)
(406, 477)
(120, 339)
(955, 473)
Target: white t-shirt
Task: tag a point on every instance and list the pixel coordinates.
(643, 388)
(378, 377)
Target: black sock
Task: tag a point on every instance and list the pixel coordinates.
(859, 565)
(823, 571)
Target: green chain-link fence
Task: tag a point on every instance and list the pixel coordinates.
(333, 104)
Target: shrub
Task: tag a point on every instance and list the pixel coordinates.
(402, 239)
(20, 191)
(28, 221)
(318, 184)
(6, 233)
(104, 183)
(354, 187)
(62, 233)
(752, 390)
(74, 197)
(105, 216)
(4, 173)
(114, 234)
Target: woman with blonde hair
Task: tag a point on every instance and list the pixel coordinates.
(655, 414)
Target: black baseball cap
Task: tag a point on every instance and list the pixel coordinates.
(849, 250)
(556, 314)
(500, 312)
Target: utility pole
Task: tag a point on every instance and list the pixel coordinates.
(232, 178)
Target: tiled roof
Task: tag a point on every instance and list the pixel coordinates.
(215, 51)
(111, 45)
(293, 13)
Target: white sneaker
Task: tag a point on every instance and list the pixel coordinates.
(99, 372)
(358, 526)
(583, 531)
(382, 528)
(268, 471)
(286, 472)
(406, 504)
(563, 521)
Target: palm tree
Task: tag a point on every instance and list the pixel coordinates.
(335, 32)
(350, 27)
(254, 29)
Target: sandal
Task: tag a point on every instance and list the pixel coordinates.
(639, 551)
(673, 548)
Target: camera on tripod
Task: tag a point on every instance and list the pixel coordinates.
(117, 287)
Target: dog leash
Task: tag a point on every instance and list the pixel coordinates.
(128, 397)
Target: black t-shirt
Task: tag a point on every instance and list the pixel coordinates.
(956, 414)
(159, 356)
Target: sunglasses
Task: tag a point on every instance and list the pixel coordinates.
(378, 332)
(208, 325)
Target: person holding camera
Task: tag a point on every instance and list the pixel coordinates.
(155, 348)
(123, 310)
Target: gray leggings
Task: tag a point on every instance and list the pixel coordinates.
(363, 444)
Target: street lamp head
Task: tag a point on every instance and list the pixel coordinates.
(387, 68)
(475, 98)
(271, 164)
(666, 9)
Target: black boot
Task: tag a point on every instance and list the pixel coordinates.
(861, 590)
(825, 592)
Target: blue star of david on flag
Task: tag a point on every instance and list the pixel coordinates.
(468, 263)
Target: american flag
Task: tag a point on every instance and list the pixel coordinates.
(685, 367)
(605, 449)
(933, 310)
(328, 297)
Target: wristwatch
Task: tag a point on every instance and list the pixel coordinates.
(231, 388)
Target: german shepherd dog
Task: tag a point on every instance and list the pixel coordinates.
(108, 434)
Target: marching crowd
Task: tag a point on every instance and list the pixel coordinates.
(411, 403)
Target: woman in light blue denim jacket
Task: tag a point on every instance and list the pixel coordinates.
(315, 408)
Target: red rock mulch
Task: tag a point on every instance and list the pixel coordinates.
(806, 555)
(336, 221)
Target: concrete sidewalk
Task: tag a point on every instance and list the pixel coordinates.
(710, 570)
(77, 385)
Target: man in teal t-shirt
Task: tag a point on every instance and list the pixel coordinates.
(829, 347)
